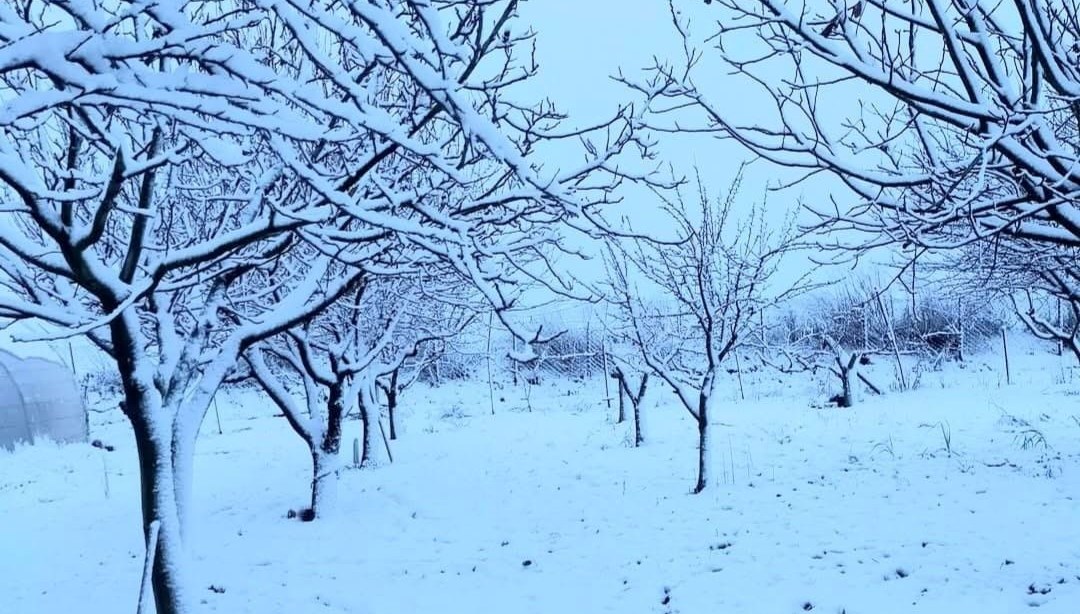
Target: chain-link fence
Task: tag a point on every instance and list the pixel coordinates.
(925, 328)
(932, 327)
(947, 325)
(579, 349)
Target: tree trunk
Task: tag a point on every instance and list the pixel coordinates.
(635, 401)
(153, 427)
(703, 449)
(324, 477)
(847, 378)
(391, 403)
(367, 424)
(638, 437)
(622, 406)
(325, 467)
(335, 413)
(157, 480)
(183, 468)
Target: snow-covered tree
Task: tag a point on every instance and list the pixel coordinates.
(837, 332)
(181, 180)
(708, 290)
(433, 323)
(626, 391)
(140, 195)
(321, 371)
(948, 120)
(1041, 281)
(818, 349)
(1051, 309)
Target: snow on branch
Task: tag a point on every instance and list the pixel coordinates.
(963, 126)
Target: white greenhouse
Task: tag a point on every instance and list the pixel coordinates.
(39, 399)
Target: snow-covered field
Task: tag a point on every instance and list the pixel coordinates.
(959, 497)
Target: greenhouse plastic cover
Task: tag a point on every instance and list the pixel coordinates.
(38, 398)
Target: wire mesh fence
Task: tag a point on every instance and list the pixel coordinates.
(948, 325)
(920, 331)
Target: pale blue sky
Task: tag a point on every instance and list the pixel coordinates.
(580, 45)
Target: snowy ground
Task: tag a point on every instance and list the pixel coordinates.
(959, 497)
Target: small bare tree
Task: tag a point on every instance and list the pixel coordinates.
(713, 283)
(421, 318)
(319, 372)
(1041, 281)
(831, 333)
(820, 351)
(408, 361)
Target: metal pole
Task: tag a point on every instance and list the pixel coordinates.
(603, 357)
(491, 385)
(738, 373)
(1061, 342)
(960, 325)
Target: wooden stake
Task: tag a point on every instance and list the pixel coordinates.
(1005, 346)
(386, 443)
(738, 374)
(148, 567)
(217, 415)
